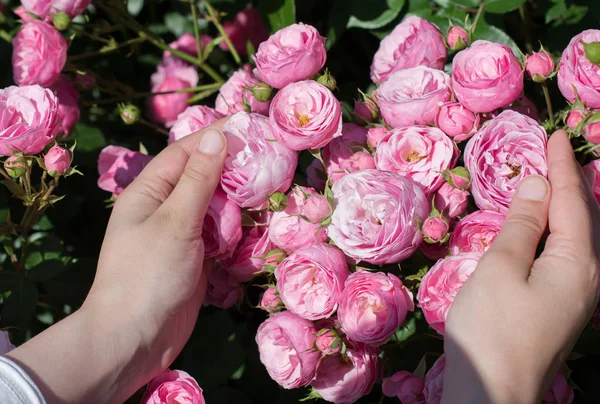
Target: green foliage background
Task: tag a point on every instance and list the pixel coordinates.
(222, 354)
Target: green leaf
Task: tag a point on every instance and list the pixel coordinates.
(277, 14)
(459, 3)
(502, 6)
(9, 280)
(134, 7)
(361, 18)
(176, 23)
(45, 270)
(19, 307)
(556, 11)
(14, 188)
(493, 34)
(88, 137)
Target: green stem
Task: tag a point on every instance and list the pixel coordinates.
(477, 17)
(104, 52)
(204, 87)
(548, 103)
(82, 32)
(526, 25)
(5, 175)
(153, 126)
(196, 29)
(202, 95)
(215, 19)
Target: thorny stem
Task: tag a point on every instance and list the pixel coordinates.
(548, 103)
(478, 16)
(196, 29)
(215, 19)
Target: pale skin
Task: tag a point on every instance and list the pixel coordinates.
(151, 281)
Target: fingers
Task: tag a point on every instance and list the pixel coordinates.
(524, 226)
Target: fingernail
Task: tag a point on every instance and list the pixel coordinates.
(534, 188)
(212, 142)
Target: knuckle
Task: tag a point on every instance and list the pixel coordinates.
(199, 174)
(525, 221)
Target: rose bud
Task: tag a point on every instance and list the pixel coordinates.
(347, 378)
(476, 232)
(130, 113)
(292, 54)
(222, 227)
(118, 167)
(441, 284)
(223, 290)
(16, 166)
(242, 91)
(57, 161)
(407, 387)
(365, 111)
(68, 104)
(451, 201)
(458, 38)
(328, 342)
(458, 177)
(576, 71)
(591, 130)
(192, 120)
(270, 301)
(376, 295)
(285, 344)
(435, 230)
(487, 76)
(592, 173)
(539, 65)
(574, 118)
(174, 386)
(592, 52)
(414, 42)
(39, 54)
(360, 161)
(61, 21)
(376, 135)
(277, 202)
(338, 153)
(327, 80)
(261, 91)
(434, 382)
(5, 344)
(456, 121)
(560, 392)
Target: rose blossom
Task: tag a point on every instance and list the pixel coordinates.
(270, 301)
(456, 121)
(245, 27)
(256, 166)
(290, 230)
(68, 104)
(45, 8)
(376, 134)
(360, 161)
(372, 306)
(5, 345)
(173, 386)
(419, 153)
(39, 54)
(406, 386)
(57, 161)
(223, 290)
(506, 149)
(574, 118)
(286, 346)
(345, 380)
(539, 65)
(191, 120)
(233, 97)
(451, 201)
(30, 119)
(435, 229)
(311, 280)
(441, 284)
(118, 167)
(293, 53)
(414, 42)
(413, 96)
(366, 111)
(560, 392)
(222, 228)
(329, 343)
(171, 75)
(338, 153)
(476, 232)
(305, 115)
(577, 76)
(434, 382)
(187, 44)
(315, 175)
(458, 38)
(374, 216)
(487, 76)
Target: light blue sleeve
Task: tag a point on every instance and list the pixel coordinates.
(15, 386)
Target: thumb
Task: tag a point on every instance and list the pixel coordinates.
(524, 225)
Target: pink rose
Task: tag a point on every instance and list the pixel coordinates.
(68, 108)
(191, 120)
(118, 167)
(376, 134)
(413, 96)
(315, 175)
(299, 224)
(577, 76)
(539, 65)
(222, 228)
(574, 118)
(173, 386)
(345, 379)
(560, 392)
(270, 301)
(305, 115)
(420, 153)
(360, 161)
(256, 166)
(458, 38)
(374, 216)
(57, 161)
(476, 232)
(171, 75)
(457, 121)
(5, 345)
(310, 280)
(292, 54)
(451, 201)
(338, 153)
(366, 111)
(30, 119)
(591, 131)
(592, 172)
(440, 286)
(187, 43)
(435, 229)
(434, 382)
(233, 97)
(435, 251)
(414, 42)
(329, 342)
(286, 346)
(245, 27)
(487, 76)
(506, 149)
(406, 386)
(223, 290)
(372, 306)
(39, 54)
(45, 8)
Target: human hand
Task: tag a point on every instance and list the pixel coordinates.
(150, 282)
(516, 318)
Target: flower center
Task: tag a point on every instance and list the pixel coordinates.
(516, 170)
(303, 119)
(414, 156)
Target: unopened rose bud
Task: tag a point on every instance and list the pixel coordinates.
(61, 20)
(365, 111)
(270, 301)
(574, 118)
(539, 65)
(458, 38)
(458, 177)
(278, 201)
(592, 129)
(360, 161)
(262, 92)
(435, 229)
(57, 161)
(328, 80)
(274, 257)
(130, 114)
(592, 52)
(456, 121)
(15, 166)
(376, 135)
(328, 342)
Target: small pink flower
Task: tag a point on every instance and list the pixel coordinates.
(376, 134)
(39, 54)
(435, 229)
(406, 386)
(539, 65)
(57, 161)
(574, 118)
(329, 343)
(245, 27)
(118, 167)
(173, 386)
(457, 121)
(560, 392)
(187, 43)
(440, 286)
(414, 42)
(5, 344)
(338, 153)
(476, 232)
(434, 382)
(451, 201)
(191, 120)
(233, 97)
(577, 76)
(68, 104)
(222, 228)
(223, 290)
(292, 54)
(366, 111)
(360, 161)
(458, 38)
(270, 301)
